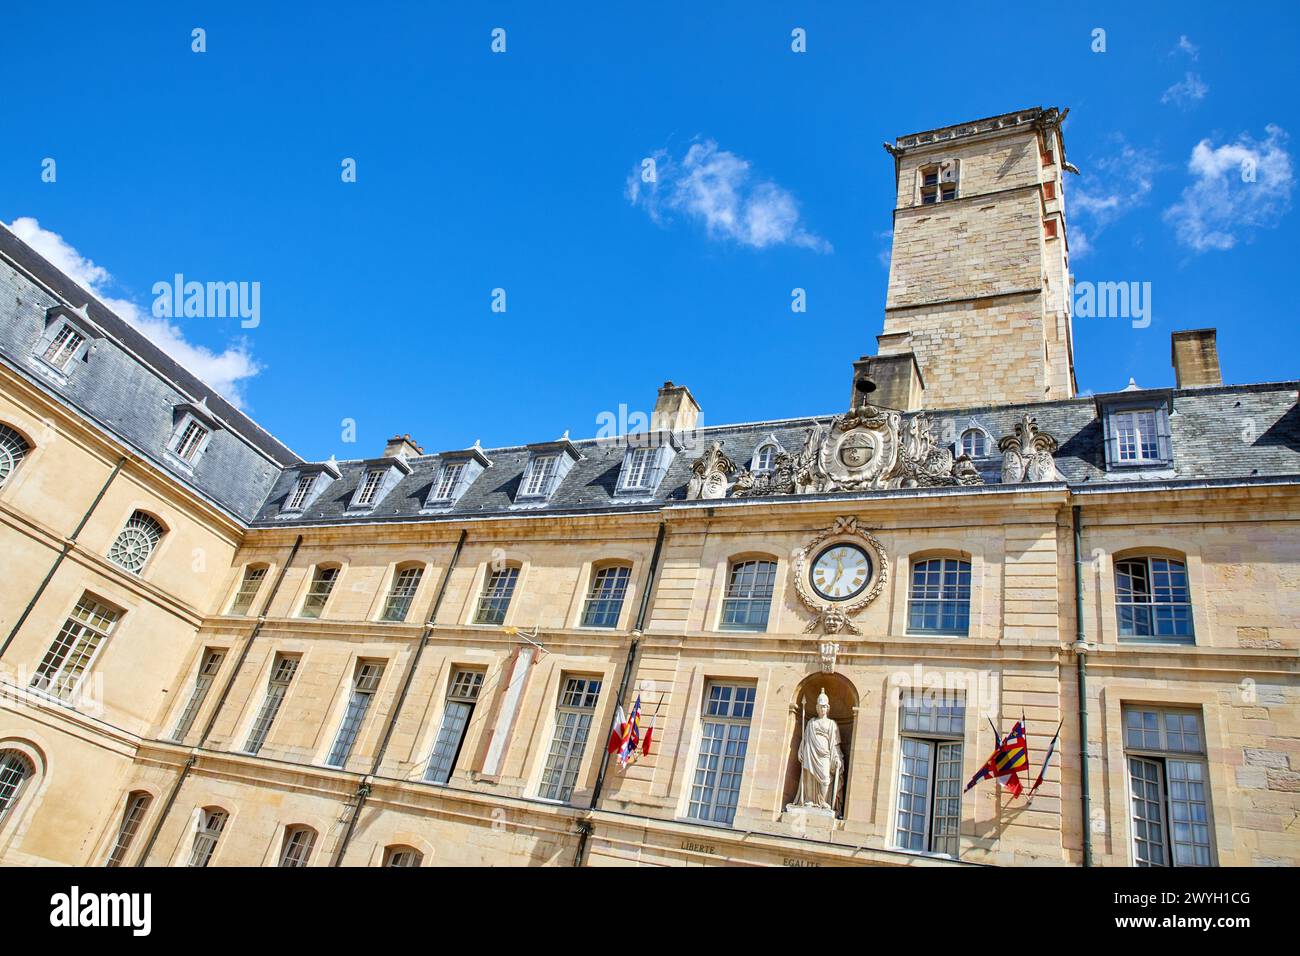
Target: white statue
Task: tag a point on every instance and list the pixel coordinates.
(820, 759)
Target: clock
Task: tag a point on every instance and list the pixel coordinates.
(840, 572)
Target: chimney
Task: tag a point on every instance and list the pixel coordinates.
(676, 409)
(402, 446)
(897, 379)
(1196, 358)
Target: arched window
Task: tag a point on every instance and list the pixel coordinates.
(15, 770)
(406, 581)
(212, 820)
(605, 597)
(137, 802)
(13, 449)
(498, 589)
(765, 458)
(1152, 599)
(298, 844)
(974, 443)
(136, 542)
(749, 595)
(249, 585)
(402, 856)
(939, 597)
(323, 580)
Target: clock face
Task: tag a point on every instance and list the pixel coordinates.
(841, 572)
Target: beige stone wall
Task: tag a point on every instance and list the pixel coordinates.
(978, 290)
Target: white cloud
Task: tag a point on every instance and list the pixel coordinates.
(1236, 188)
(1187, 92)
(1113, 187)
(718, 189)
(1187, 46)
(225, 372)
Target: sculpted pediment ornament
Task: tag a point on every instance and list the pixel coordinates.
(837, 574)
(1027, 453)
(709, 474)
(869, 449)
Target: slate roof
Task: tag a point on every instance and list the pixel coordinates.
(1227, 432)
(130, 387)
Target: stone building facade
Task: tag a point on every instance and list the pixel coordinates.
(216, 653)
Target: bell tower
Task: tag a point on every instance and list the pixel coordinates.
(978, 308)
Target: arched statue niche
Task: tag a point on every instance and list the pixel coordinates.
(817, 771)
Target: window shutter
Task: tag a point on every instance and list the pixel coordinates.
(1112, 439)
(663, 458)
(1164, 435)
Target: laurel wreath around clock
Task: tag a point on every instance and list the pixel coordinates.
(831, 616)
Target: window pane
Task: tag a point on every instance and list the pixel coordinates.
(748, 600)
(495, 600)
(605, 599)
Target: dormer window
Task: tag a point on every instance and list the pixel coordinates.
(1135, 422)
(369, 488)
(540, 471)
(448, 475)
(312, 480)
(645, 463)
(63, 347)
(974, 443)
(67, 338)
(938, 182)
(765, 458)
(380, 476)
(457, 470)
(300, 493)
(1136, 439)
(548, 463)
(194, 425)
(636, 470)
(191, 440)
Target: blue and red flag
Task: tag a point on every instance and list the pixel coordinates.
(1009, 756)
(631, 736)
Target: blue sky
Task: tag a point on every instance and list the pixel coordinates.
(478, 171)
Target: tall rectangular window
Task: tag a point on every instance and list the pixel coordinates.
(1136, 435)
(405, 583)
(370, 487)
(202, 683)
(136, 805)
(300, 493)
(1152, 600)
(495, 600)
(282, 671)
(322, 583)
(538, 479)
(248, 588)
(75, 647)
(461, 698)
(298, 844)
(572, 727)
(364, 684)
(938, 601)
(636, 472)
(1168, 786)
(724, 740)
(211, 822)
(63, 346)
(448, 477)
(749, 596)
(187, 446)
(605, 598)
(929, 774)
